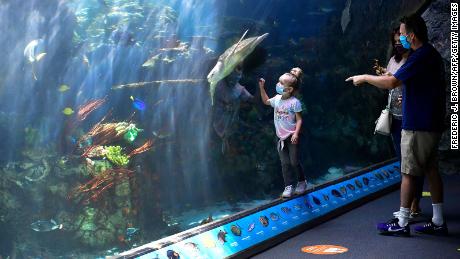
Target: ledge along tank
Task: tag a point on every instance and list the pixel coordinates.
(115, 133)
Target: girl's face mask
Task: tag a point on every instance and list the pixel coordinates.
(279, 88)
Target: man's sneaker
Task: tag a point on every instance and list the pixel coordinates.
(392, 228)
(432, 229)
(301, 187)
(288, 192)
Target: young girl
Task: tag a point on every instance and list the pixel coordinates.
(288, 121)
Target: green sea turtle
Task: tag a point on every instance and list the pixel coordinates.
(231, 58)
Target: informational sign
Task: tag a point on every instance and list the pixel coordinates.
(248, 231)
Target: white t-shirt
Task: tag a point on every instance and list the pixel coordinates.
(284, 115)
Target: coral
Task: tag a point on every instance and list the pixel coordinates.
(115, 156)
(100, 183)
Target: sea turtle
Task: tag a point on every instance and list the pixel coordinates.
(231, 58)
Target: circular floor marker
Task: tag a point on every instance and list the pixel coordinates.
(324, 249)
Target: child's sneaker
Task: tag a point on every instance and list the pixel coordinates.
(300, 188)
(288, 192)
(432, 229)
(392, 228)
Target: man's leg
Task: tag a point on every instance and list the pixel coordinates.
(419, 181)
(437, 194)
(407, 195)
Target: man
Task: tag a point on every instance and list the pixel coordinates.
(423, 110)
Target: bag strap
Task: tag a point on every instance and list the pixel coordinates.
(389, 99)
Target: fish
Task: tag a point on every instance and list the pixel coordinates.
(336, 193)
(274, 216)
(68, 111)
(251, 227)
(263, 220)
(221, 236)
(316, 200)
(150, 63)
(236, 230)
(171, 254)
(365, 181)
(358, 183)
(31, 56)
(63, 88)
(131, 231)
(85, 60)
(29, 51)
(325, 197)
(207, 220)
(286, 210)
(345, 19)
(379, 176)
(343, 190)
(350, 187)
(45, 225)
(232, 57)
(326, 9)
(137, 103)
(40, 56)
(160, 135)
(386, 174)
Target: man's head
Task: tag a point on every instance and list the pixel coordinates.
(413, 31)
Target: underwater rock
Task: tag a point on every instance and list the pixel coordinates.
(59, 189)
(123, 189)
(37, 154)
(91, 232)
(38, 172)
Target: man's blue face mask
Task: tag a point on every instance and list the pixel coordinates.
(404, 41)
(279, 88)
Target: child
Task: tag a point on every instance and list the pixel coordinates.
(288, 121)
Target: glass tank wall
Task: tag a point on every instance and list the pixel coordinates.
(110, 138)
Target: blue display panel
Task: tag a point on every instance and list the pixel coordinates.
(246, 232)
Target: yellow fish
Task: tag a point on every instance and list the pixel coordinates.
(63, 88)
(68, 111)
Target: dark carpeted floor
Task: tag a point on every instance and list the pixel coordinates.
(356, 230)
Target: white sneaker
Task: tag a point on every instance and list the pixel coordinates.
(288, 192)
(301, 187)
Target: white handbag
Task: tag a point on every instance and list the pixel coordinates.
(383, 123)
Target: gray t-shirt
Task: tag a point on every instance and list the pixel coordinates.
(395, 109)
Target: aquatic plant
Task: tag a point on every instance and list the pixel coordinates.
(131, 133)
(85, 109)
(147, 145)
(114, 155)
(92, 190)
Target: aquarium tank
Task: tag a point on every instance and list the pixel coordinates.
(115, 133)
